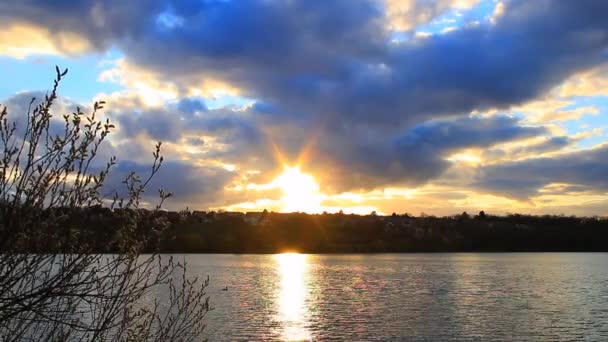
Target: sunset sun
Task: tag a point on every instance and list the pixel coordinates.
(300, 190)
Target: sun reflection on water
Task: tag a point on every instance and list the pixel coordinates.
(292, 296)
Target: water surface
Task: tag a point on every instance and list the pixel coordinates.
(460, 297)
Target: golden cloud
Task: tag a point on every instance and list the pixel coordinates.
(154, 89)
(403, 15)
(20, 40)
(592, 82)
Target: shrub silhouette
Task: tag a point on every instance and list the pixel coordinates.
(52, 285)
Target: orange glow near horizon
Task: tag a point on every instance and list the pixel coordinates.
(300, 191)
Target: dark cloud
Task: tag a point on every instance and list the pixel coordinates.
(548, 144)
(189, 106)
(157, 123)
(466, 132)
(334, 59)
(190, 184)
(196, 142)
(265, 108)
(19, 104)
(170, 124)
(101, 22)
(235, 136)
(344, 159)
(551, 144)
(416, 156)
(523, 179)
(326, 74)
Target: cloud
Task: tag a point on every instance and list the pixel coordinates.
(19, 40)
(499, 10)
(405, 15)
(328, 81)
(193, 186)
(414, 157)
(569, 114)
(192, 131)
(192, 183)
(191, 105)
(158, 124)
(523, 179)
(553, 108)
(336, 58)
(343, 160)
(18, 105)
(148, 86)
(339, 55)
(592, 82)
(373, 82)
(532, 149)
(100, 23)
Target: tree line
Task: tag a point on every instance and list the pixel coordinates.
(270, 232)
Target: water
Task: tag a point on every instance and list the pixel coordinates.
(414, 297)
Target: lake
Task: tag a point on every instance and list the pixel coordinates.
(417, 297)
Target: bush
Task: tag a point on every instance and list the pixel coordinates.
(53, 285)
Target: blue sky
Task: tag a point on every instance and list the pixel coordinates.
(395, 106)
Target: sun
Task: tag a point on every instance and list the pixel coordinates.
(300, 190)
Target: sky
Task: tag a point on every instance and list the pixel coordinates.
(405, 106)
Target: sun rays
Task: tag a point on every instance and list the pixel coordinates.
(300, 190)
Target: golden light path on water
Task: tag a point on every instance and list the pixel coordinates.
(292, 296)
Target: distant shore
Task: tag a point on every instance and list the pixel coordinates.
(269, 232)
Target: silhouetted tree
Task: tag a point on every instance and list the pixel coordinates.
(232, 233)
(52, 286)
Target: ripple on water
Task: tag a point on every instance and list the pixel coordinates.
(459, 297)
